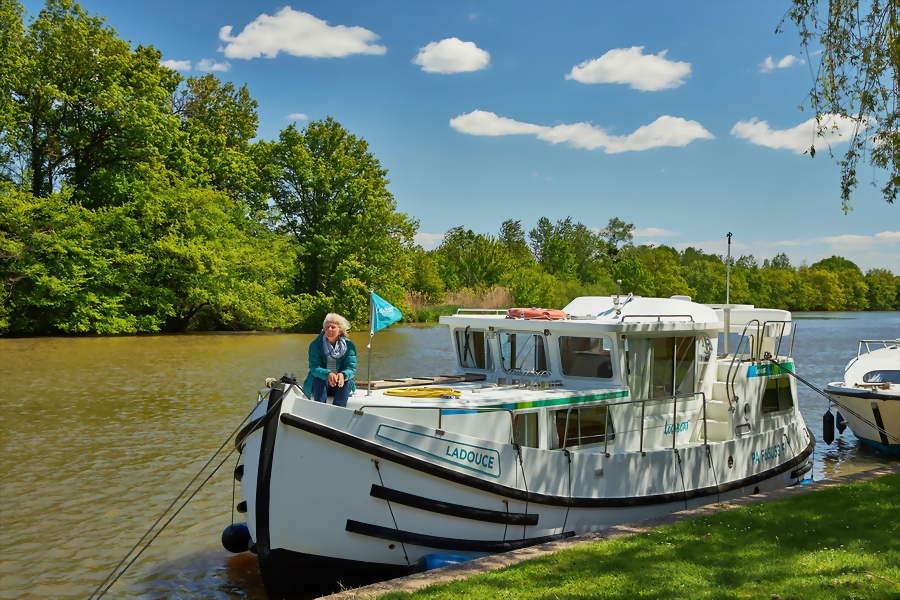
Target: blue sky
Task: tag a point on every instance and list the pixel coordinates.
(680, 117)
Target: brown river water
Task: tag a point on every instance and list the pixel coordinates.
(98, 436)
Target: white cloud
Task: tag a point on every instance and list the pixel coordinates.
(797, 139)
(298, 117)
(645, 72)
(177, 65)
(769, 64)
(479, 122)
(429, 241)
(863, 241)
(653, 231)
(299, 34)
(665, 131)
(452, 55)
(208, 65)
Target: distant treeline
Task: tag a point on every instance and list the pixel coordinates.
(134, 200)
(558, 262)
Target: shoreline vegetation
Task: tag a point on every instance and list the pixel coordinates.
(840, 542)
(137, 201)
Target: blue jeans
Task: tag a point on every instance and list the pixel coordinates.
(321, 391)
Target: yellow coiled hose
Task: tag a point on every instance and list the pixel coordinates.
(423, 392)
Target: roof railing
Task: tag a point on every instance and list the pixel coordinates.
(492, 311)
(884, 344)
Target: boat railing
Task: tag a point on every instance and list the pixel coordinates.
(779, 337)
(488, 311)
(751, 343)
(439, 430)
(643, 402)
(884, 344)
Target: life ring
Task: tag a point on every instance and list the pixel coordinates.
(537, 314)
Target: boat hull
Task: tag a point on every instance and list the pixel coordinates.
(342, 498)
(868, 408)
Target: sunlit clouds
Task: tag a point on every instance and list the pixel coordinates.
(664, 131)
(783, 63)
(798, 139)
(645, 72)
(208, 65)
(298, 34)
(452, 55)
(176, 65)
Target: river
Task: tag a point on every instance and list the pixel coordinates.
(99, 435)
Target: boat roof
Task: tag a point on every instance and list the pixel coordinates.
(631, 313)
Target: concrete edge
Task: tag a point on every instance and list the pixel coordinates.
(411, 583)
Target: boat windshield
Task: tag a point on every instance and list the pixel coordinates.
(473, 349)
(882, 377)
(585, 356)
(660, 367)
(524, 352)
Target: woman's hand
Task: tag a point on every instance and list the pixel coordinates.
(336, 379)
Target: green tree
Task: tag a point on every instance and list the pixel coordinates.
(513, 237)
(779, 261)
(425, 278)
(170, 260)
(851, 280)
(856, 80)
(539, 237)
(882, 289)
(661, 265)
(332, 200)
(90, 113)
(617, 236)
(218, 123)
(533, 287)
(472, 260)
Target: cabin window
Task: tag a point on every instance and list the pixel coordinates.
(585, 426)
(526, 429)
(473, 349)
(778, 395)
(882, 377)
(661, 367)
(585, 356)
(523, 352)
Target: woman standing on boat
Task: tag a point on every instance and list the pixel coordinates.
(332, 363)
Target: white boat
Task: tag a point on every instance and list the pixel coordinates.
(624, 410)
(869, 396)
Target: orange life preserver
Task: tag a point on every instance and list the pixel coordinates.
(538, 314)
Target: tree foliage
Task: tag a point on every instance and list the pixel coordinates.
(857, 80)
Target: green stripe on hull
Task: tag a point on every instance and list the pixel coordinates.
(558, 401)
(770, 369)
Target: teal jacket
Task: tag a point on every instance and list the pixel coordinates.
(318, 365)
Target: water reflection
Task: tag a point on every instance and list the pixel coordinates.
(99, 434)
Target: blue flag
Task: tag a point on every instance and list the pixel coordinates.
(383, 313)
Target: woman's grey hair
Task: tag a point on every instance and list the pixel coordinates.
(338, 320)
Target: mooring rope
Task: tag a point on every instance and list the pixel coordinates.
(115, 571)
(843, 407)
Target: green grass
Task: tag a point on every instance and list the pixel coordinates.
(842, 542)
(431, 314)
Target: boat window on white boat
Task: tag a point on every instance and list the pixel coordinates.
(526, 429)
(882, 377)
(586, 426)
(660, 367)
(586, 356)
(778, 395)
(473, 349)
(523, 352)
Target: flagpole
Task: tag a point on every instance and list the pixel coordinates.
(371, 333)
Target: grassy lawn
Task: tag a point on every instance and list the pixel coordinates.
(841, 542)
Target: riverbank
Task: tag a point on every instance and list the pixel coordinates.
(828, 539)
